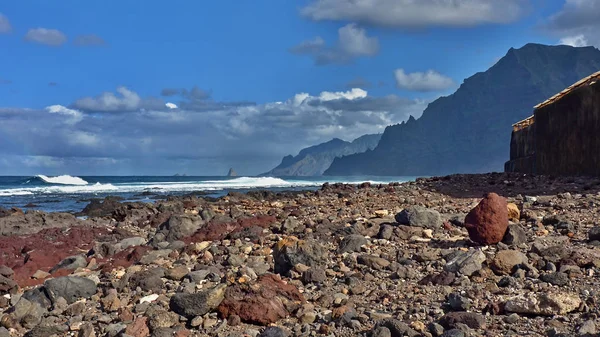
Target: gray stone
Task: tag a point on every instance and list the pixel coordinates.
(198, 275)
(291, 251)
(397, 328)
(418, 216)
(544, 304)
(273, 331)
(130, 242)
(556, 278)
(453, 333)
(148, 280)
(45, 331)
(314, 275)
(27, 313)
(594, 234)
(290, 225)
(71, 288)
(515, 235)
(373, 262)
(458, 302)
(435, 329)
(587, 328)
(38, 295)
(386, 232)
(113, 330)
(7, 286)
(471, 319)
(181, 226)
(70, 263)
(352, 243)
(4, 332)
(466, 263)
(381, 332)
(198, 304)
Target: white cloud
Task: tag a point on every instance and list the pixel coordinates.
(574, 41)
(355, 93)
(171, 105)
(108, 101)
(421, 13)
(4, 24)
(75, 115)
(577, 23)
(430, 80)
(49, 37)
(352, 43)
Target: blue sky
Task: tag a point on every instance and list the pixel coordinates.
(83, 85)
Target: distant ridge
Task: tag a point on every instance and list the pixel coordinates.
(314, 160)
(469, 131)
(231, 173)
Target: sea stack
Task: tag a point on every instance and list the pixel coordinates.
(231, 173)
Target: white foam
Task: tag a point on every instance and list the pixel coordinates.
(63, 180)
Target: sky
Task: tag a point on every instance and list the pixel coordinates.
(197, 87)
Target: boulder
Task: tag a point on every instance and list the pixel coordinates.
(488, 221)
(418, 216)
(263, 302)
(543, 304)
(71, 288)
(291, 251)
(507, 261)
(181, 226)
(466, 263)
(198, 304)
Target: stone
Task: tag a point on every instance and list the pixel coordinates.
(139, 328)
(515, 235)
(148, 280)
(314, 275)
(4, 332)
(466, 263)
(418, 216)
(444, 278)
(397, 328)
(70, 263)
(160, 318)
(488, 221)
(181, 226)
(587, 328)
(6, 272)
(198, 304)
(373, 262)
(556, 278)
(71, 288)
(453, 333)
(177, 273)
(87, 330)
(264, 301)
(458, 302)
(40, 275)
(435, 329)
(471, 319)
(352, 243)
(381, 332)
(514, 214)
(273, 331)
(543, 304)
(7, 286)
(27, 313)
(507, 261)
(594, 234)
(291, 251)
(290, 224)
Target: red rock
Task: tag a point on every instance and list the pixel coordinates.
(125, 258)
(265, 301)
(219, 231)
(26, 254)
(139, 328)
(488, 221)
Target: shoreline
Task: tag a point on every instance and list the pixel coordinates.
(334, 260)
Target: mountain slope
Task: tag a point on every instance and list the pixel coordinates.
(314, 160)
(469, 131)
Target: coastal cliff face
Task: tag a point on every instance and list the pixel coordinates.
(314, 160)
(469, 131)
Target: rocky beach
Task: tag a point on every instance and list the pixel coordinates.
(464, 255)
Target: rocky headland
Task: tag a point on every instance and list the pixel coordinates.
(462, 255)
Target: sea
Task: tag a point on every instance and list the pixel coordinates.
(67, 193)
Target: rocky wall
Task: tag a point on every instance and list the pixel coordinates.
(522, 151)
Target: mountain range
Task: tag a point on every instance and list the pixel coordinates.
(314, 160)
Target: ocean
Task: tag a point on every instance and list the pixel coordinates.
(71, 194)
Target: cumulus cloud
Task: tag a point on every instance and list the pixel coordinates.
(417, 14)
(171, 105)
(49, 37)
(352, 43)
(4, 24)
(74, 115)
(577, 23)
(160, 141)
(430, 80)
(90, 40)
(124, 100)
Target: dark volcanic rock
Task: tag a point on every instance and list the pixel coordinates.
(263, 302)
(71, 288)
(352, 243)
(471, 319)
(418, 216)
(99, 208)
(290, 251)
(515, 235)
(396, 328)
(181, 226)
(198, 304)
(488, 221)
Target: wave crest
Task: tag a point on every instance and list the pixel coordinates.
(62, 180)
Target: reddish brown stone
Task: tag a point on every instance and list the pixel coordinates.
(125, 258)
(488, 221)
(219, 231)
(139, 328)
(266, 301)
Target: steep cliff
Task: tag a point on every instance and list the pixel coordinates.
(314, 160)
(469, 131)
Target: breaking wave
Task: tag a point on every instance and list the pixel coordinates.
(62, 180)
